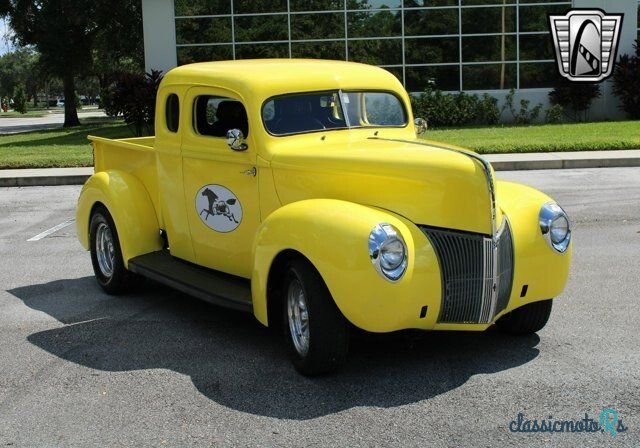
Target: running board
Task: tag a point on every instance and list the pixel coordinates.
(212, 286)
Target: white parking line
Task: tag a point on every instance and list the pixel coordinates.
(46, 233)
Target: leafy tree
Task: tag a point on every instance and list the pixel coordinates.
(134, 97)
(64, 32)
(119, 44)
(20, 100)
(19, 67)
(626, 82)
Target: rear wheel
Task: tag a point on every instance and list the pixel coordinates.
(317, 333)
(106, 255)
(527, 319)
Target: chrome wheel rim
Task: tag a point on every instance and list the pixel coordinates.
(105, 250)
(298, 317)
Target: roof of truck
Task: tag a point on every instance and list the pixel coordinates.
(275, 76)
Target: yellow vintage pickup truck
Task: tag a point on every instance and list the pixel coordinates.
(298, 190)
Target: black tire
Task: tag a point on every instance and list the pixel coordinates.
(527, 319)
(119, 280)
(328, 330)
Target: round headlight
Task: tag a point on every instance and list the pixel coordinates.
(388, 251)
(555, 227)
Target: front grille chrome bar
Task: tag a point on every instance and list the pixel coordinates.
(476, 273)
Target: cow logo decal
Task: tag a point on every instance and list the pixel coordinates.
(219, 208)
(586, 42)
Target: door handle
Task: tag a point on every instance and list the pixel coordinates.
(252, 172)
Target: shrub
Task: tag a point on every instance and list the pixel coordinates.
(488, 111)
(455, 109)
(554, 114)
(19, 99)
(522, 115)
(574, 97)
(134, 97)
(626, 83)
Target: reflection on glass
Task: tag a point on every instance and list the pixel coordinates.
(425, 22)
(202, 7)
(376, 52)
(536, 47)
(258, 51)
(444, 77)
(317, 26)
(534, 18)
(259, 6)
(423, 3)
(322, 50)
(374, 24)
(489, 20)
(202, 31)
(370, 20)
(539, 74)
(316, 5)
(487, 2)
(488, 48)
(373, 4)
(431, 50)
(188, 55)
(489, 76)
(312, 112)
(261, 28)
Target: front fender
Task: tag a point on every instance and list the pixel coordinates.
(333, 236)
(130, 206)
(537, 265)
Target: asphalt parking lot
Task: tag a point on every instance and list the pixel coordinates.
(157, 368)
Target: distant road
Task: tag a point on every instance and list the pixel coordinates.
(54, 120)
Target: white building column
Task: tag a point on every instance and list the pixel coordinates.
(159, 28)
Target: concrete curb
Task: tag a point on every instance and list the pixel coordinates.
(500, 162)
(44, 177)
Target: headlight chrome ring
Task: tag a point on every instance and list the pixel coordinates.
(555, 226)
(388, 251)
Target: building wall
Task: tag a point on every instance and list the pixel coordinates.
(471, 45)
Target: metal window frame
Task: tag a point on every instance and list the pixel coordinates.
(402, 10)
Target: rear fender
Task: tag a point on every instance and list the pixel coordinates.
(130, 206)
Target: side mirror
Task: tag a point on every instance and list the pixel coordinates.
(235, 140)
(421, 126)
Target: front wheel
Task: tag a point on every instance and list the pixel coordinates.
(316, 331)
(527, 319)
(106, 255)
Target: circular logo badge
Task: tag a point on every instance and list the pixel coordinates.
(219, 208)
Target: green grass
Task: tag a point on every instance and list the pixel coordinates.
(69, 147)
(56, 147)
(544, 138)
(31, 113)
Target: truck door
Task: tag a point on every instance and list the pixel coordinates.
(220, 184)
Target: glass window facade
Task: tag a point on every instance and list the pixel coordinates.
(444, 44)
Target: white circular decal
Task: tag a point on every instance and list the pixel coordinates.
(219, 208)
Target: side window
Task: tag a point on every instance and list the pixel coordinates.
(172, 112)
(215, 115)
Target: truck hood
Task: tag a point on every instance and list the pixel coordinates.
(426, 183)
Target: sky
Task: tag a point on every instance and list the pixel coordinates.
(5, 44)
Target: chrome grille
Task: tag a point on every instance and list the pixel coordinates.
(476, 273)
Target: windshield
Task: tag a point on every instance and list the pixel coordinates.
(317, 111)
